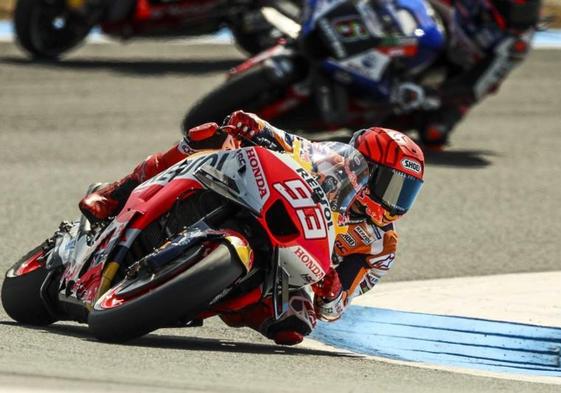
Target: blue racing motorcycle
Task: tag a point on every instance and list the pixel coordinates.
(348, 64)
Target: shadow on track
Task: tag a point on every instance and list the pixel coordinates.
(460, 158)
(184, 342)
(151, 67)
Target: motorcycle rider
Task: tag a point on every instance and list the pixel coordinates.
(362, 255)
(487, 39)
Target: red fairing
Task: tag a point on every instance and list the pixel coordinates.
(312, 219)
(152, 202)
(31, 264)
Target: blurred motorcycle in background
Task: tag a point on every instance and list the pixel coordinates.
(47, 29)
(338, 69)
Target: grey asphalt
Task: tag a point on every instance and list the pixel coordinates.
(490, 205)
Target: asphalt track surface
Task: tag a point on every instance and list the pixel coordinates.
(490, 205)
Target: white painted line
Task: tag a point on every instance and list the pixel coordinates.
(532, 298)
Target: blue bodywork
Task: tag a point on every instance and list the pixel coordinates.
(429, 39)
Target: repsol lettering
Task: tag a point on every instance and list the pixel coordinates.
(316, 188)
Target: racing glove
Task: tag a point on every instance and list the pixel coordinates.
(244, 125)
(330, 300)
(250, 129)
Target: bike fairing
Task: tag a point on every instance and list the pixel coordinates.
(363, 60)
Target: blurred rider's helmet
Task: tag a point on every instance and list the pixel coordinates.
(486, 20)
(396, 166)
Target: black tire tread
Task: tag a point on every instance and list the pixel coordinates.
(183, 297)
(21, 296)
(238, 92)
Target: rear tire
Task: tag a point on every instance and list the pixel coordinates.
(46, 29)
(21, 295)
(181, 298)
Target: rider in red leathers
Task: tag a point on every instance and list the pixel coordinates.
(363, 255)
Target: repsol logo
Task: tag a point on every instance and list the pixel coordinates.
(412, 165)
(316, 188)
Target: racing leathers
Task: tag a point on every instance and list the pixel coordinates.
(362, 255)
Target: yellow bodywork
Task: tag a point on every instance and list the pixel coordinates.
(243, 250)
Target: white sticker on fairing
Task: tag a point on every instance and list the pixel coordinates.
(412, 165)
(257, 172)
(303, 268)
(370, 64)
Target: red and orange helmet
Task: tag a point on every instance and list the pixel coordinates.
(397, 166)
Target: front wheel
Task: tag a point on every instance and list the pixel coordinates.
(117, 318)
(21, 290)
(253, 90)
(47, 28)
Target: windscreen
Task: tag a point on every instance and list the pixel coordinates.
(342, 172)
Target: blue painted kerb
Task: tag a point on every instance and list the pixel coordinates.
(446, 340)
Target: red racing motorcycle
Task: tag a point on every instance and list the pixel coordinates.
(49, 28)
(217, 232)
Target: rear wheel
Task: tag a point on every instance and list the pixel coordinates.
(21, 290)
(47, 28)
(131, 310)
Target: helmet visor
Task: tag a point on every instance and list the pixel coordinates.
(394, 190)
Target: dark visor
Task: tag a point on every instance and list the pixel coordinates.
(394, 190)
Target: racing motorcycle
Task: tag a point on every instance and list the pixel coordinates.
(218, 231)
(49, 28)
(337, 69)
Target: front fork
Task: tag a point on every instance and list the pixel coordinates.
(279, 289)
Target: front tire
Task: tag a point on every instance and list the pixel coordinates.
(251, 91)
(181, 298)
(21, 290)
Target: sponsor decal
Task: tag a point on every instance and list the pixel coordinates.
(349, 239)
(332, 38)
(412, 165)
(257, 171)
(187, 167)
(310, 263)
(363, 235)
(368, 282)
(382, 264)
(318, 192)
(350, 29)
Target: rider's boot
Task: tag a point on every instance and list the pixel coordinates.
(290, 329)
(109, 200)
